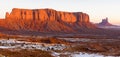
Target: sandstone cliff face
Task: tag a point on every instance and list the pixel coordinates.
(46, 20)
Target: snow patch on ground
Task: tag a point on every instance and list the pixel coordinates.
(89, 55)
(80, 54)
(12, 43)
(5, 47)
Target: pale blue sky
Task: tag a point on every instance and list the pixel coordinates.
(97, 9)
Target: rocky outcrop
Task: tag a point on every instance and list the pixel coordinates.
(107, 25)
(47, 14)
(104, 23)
(46, 20)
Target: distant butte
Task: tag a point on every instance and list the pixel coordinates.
(45, 20)
(104, 22)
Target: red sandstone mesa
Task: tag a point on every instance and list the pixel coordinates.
(45, 20)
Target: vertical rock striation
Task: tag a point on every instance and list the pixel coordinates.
(46, 20)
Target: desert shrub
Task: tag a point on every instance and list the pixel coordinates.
(25, 53)
(77, 48)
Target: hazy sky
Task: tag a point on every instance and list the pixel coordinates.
(97, 9)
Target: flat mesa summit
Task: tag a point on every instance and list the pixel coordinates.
(45, 20)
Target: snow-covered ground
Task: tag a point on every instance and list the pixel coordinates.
(89, 55)
(81, 54)
(5, 47)
(13, 43)
(77, 39)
